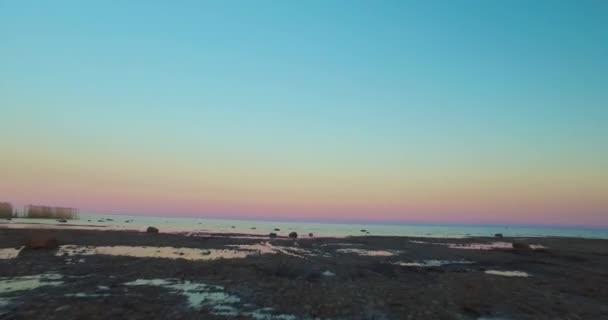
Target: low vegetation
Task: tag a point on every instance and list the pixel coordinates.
(6, 210)
(46, 212)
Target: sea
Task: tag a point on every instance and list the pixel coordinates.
(316, 229)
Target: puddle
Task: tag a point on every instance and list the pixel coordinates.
(431, 263)
(10, 253)
(508, 273)
(212, 297)
(153, 252)
(328, 273)
(16, 284)
(363, 252)
(13, 284)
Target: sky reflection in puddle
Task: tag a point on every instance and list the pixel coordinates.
(212, 297)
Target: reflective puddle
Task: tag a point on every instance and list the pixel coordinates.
(24, 283)
(212, 297)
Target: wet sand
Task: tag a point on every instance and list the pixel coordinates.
(134, 275)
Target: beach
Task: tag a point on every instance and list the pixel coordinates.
(97, 274)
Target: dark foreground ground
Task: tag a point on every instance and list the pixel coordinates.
(569, 280)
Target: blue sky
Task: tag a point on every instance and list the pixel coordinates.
(312, 87)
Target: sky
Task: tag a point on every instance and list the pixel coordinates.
(415, 111)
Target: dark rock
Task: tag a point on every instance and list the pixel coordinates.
(277, 229)
(62, 220)
(109, 219)
(311, 235)
(42, 241)
(498, 235)
(272, 235)
(253, 228)
(521, 245)
(233, 227)
(363, 230)
(293, 235)
(152, 230)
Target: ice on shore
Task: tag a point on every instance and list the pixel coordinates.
(363, 252)
(508, 273)
(194, 254)
(10, 253)
(431, 263)
(153, 252)
(478, 246)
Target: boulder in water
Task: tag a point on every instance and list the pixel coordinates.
(272, 235)
(42, 241)
(498, 235)
(152, 230)
(293, 235)
(521, 245)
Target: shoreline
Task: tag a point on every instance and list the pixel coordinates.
(221, 231)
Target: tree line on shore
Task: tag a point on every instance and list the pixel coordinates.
(37, 212)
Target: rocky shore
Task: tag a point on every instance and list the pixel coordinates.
(87, 274)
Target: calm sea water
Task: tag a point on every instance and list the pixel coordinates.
(319, 229)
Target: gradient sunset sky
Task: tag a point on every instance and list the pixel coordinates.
(424, 111)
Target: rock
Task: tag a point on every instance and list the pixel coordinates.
(311, 235)
(152, 230)
(233, 227)
(109, 219)
(272, 235)
(498, 235)
(520, 245)
(253, 228)
(293, 235)
(363, 230)
(42, 241)
(62, 308)
(62, 220)
(277, 229)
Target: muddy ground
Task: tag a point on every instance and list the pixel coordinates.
(568, 280)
